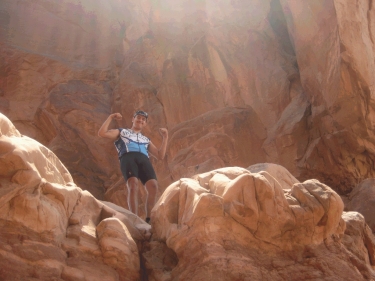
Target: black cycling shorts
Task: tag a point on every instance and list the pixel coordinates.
(136, 164)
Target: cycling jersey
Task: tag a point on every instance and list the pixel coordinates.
(130, 141)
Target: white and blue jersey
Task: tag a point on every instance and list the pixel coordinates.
(130, 141)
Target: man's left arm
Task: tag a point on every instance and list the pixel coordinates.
(160, 153)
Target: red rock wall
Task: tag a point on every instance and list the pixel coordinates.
(235, 82)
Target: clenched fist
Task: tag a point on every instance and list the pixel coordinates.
(116, 116)
(163, 132)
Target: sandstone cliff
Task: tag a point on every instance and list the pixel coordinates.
(229, 224)
(236, 83)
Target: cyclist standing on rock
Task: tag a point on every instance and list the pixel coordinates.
(133, 151)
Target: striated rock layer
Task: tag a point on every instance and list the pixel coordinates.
(233, 224)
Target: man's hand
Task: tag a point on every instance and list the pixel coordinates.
(159, 153)
(116, 116)
(163, 132)
(104, 132)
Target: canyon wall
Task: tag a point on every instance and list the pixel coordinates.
(235, 82)
(227, 224)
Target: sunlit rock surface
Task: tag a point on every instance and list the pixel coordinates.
(258, 223)
(57, 61)
(359, 240)
(50, 228)
(235, 82)
(232, 224)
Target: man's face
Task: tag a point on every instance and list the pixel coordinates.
(139, 121)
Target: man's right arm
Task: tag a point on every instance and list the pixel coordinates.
(110, 133)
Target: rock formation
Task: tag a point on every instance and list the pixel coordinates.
(53, 230)
(232, 223)
(236, 83)
(359, 240)
(362, 200)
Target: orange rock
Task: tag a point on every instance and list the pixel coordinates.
(236, 83)
(231, 224)
(51, 228)
(228, 224)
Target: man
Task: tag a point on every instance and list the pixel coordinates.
(133, 151)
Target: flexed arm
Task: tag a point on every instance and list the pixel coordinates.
(112, 133)
(160, 153)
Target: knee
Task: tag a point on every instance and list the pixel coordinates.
(152, 185)
(132, 183)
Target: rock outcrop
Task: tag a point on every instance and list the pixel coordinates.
(359, 240)
(53, 230)
(237, 83)
(362, 200)
(278, 81)
(232, 223)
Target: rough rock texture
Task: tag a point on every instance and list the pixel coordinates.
(50, 228)
(236, 83)
(232, 224)
(57, 60)
(359, 240)
(334, 51)
(362, 200)
(259, 223)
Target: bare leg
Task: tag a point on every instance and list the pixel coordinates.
(152, 189)
(132, 185)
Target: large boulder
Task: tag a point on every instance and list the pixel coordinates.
(53, 230)
(360, 241)
(231, 224)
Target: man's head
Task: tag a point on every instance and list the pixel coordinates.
(141, 113)
(139, 120)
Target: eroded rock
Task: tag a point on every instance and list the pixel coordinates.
(50, 228)
(301, 71)
(232, 224)
(362, 200)
(359, 240)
